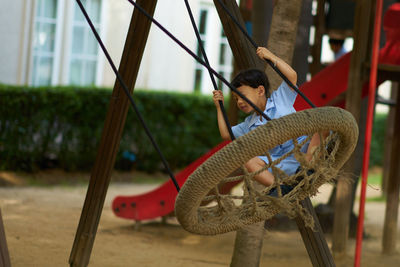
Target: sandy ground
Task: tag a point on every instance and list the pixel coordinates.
(40, 225)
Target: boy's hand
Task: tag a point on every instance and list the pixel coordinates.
(264, 53)
(218, 95)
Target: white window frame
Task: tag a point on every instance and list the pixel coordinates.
(205, 42)
(63, 43)
(68, 48)
(212, 40)
(227, 67)
(57, 43)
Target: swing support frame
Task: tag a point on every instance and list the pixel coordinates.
(135, 43)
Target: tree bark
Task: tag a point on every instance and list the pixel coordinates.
(248, 246)
(283, 31)
(261, 20)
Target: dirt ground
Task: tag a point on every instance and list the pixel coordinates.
(40, 224)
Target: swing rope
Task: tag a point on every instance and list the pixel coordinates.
(126, 90)
(244, 31)
(203, 52)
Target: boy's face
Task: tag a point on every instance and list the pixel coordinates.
(335, 47)
(255, 95)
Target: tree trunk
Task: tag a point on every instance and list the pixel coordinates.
(248, 246)
(261, 18)
(283, 31)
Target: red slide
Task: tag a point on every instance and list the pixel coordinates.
(161, 201)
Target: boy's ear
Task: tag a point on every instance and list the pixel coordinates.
(261, 90)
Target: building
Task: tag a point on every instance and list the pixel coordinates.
(48, 42)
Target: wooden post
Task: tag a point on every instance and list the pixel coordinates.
(111, 136)
(4, 256)
(319, 23)
(302, 47)
(315, 242)
(357, 76)
(243, 51)
(389, 134)
(245, 11)
(393, 188)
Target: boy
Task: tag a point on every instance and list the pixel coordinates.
(254, 85)
(337, 47)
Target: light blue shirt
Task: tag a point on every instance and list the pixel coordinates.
(279, 104)
(340, 53)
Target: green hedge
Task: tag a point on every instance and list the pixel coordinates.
(377, 140)
(61, 127)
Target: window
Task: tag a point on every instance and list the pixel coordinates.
(84, 49)
(217, 48)
(44, 42)
(225, 61)
(64, 50)
(199, 68)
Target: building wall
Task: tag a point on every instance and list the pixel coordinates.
(14, 23)
(165, 66)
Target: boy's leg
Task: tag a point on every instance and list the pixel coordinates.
(265, 178)
(314, 143)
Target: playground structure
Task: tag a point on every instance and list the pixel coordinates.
(113, 127)
(325, 88)
(360, 64)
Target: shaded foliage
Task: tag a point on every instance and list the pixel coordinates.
(60, 127)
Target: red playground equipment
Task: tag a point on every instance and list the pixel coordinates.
(161, 201)
(332, 81)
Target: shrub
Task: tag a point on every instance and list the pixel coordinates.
(378, 140)
(61, 127)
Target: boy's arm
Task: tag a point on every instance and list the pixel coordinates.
(285, 68)
(223, 129)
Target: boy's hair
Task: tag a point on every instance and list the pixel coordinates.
(336, 41)
(253, 78)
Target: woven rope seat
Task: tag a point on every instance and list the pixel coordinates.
(201, 209)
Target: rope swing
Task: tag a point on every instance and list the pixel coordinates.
(199, 207)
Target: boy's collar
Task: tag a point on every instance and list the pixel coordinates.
(270, 104)
(256, 117)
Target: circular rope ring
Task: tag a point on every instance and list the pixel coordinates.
(205, 220)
